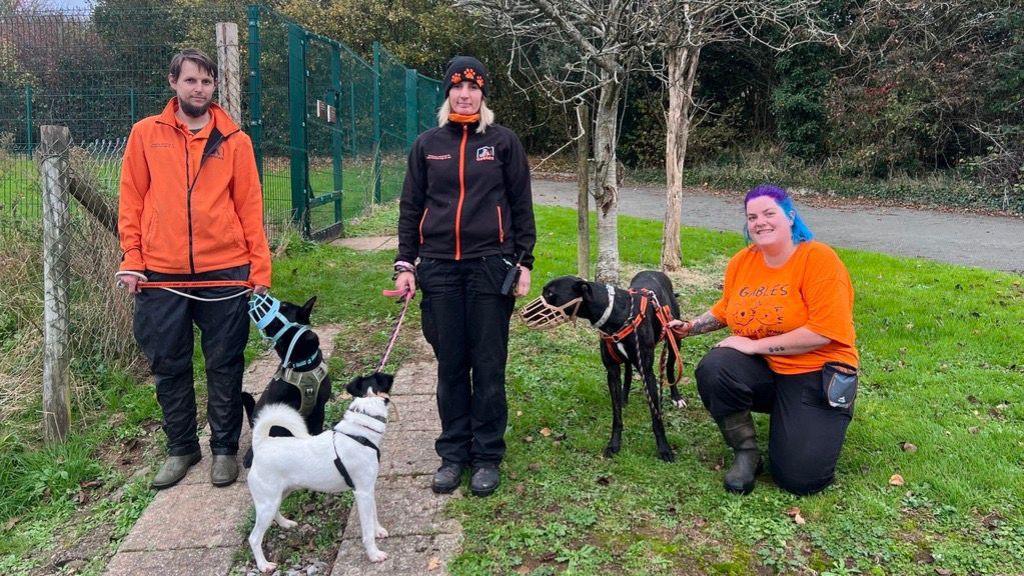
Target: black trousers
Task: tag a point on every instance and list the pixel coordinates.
(466, 321)
(805, 435)
(163, 327)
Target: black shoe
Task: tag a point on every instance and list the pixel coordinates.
(447, 478)
(485, 480)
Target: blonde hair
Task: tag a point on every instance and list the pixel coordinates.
(486, 115)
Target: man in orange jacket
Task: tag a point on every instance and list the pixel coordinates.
(191, 209)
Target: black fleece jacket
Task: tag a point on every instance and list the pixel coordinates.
(466, 195)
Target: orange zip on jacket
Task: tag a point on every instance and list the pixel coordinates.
(191, 203)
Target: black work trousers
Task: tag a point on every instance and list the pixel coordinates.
(466, 321)
(805, 435)
(163, 327)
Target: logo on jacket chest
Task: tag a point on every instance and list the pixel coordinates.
(439, 156)
(484, 153)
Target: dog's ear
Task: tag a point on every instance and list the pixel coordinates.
(581, 287)
(357, 387)
(306, 310)
(384, 382)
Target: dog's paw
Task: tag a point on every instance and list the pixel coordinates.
(681, 403)
(378, 556)
(267, 567)
(381, 532)
(667, 456)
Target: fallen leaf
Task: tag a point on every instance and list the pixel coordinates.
(534, 466)
(528, 439)
(974, 429)
(11, 522)
(519, 412)
(433, 564)
(896, 480)
(794, 513)
(519, 489)
(545, 432)
(908, 447)
(943, 571)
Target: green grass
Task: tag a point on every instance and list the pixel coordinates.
(941, 367)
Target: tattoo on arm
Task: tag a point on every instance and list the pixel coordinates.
(705, 323)
(776, 349)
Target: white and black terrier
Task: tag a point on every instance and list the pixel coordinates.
(346, 457)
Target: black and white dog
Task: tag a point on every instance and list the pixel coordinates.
(301, 381)
(347, 457)
(610, 310)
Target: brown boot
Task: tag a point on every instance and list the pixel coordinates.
(740, 434)
(174, 469)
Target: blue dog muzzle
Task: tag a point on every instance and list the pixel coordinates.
(263, 310)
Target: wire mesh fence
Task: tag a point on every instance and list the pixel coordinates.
(330, 129)
(61, 273)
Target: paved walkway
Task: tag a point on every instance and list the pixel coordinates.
(993, 242)
(197, 529)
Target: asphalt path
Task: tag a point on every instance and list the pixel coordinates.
(992, 242)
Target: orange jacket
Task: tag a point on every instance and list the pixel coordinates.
(191, 203)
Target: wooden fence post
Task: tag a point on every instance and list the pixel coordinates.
(228, 70)
(54, 167)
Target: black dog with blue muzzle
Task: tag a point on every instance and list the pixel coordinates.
(301, 381)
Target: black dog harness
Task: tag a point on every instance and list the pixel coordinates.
(360, 439)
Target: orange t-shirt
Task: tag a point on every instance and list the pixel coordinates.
(811, 290)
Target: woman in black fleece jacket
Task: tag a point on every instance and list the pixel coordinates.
(466, 212)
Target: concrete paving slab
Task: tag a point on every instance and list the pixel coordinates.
(410, 454)
(406, 507)
(368, 243)
(191, 516)
(188, 562)
(415, 378)
(407, 556)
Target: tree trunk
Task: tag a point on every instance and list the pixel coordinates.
(682, 69)
(605, 186)
(583, 197)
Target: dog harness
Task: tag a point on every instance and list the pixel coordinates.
(664, 313)
(263, 310)
(360, 439)
(308, 383)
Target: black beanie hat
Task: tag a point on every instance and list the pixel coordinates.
(462, 68)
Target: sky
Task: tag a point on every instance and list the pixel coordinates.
(69, 4)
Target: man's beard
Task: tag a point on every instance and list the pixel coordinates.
(192, 110)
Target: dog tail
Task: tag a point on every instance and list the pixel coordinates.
(278, 415)
(249, 404)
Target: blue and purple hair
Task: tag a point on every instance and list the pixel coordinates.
(800, 231)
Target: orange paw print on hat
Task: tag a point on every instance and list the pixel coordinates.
(469, 73)
(456, 78)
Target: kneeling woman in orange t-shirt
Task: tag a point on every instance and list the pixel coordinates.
(789, 304)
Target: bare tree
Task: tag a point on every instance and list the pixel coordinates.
(687, 27)
(575, 50)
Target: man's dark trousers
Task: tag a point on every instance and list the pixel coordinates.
(163, 328)
(466, 320)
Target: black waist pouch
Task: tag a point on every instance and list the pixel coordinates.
(839, 384)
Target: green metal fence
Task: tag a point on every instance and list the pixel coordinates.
(330, 126)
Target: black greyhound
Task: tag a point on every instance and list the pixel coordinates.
(304, 375)
(611, 309)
